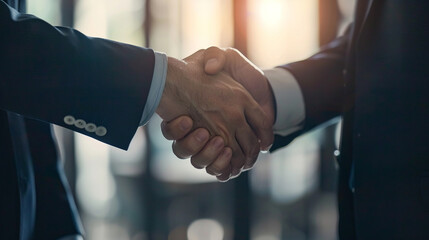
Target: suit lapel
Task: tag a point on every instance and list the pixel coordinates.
(368, 12)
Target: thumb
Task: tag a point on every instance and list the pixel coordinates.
(214, 60)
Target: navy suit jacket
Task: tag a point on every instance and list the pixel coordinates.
(377, 77)
(46, 74)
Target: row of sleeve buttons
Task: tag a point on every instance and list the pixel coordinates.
(89, 127)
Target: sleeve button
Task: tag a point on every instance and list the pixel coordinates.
(101, 131)
(69, 120)
(80, 123)
(90, 127)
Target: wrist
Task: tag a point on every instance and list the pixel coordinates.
(171, 94)
(289, 101)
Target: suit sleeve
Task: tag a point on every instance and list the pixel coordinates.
(48, 73)
(321, 81)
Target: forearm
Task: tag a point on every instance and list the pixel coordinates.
(309, 92)
(321, 80)
(49, 73)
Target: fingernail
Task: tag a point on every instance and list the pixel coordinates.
(212, 61)
(222, 178)
(210, 172)
(247, 167)
(185, 124)
(214, 173)
(266, 149)
(201, 136)
(235, 172)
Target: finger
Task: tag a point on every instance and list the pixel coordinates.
(235, 175)
(237, 161)
(176, 128)
(247, 167)
(191, 144)
(194, 56)
(222, 163)
(223, 177)
(236, 60)
(249, 145)
(208, 154)
(214, 60)
(260, 124)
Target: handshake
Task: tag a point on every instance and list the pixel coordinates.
(219, 109)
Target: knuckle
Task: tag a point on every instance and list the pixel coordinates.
(213, 48)
(213, 52)
(223, 132)
(232, 51)
(199, 51)
(236, 116)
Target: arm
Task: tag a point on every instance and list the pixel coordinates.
(321, 81)
(48, 73)
(61, 76)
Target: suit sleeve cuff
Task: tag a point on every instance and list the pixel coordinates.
(289, 101)
(156, 87)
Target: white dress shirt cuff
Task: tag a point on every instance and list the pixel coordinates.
(156, 87)
(289, 101)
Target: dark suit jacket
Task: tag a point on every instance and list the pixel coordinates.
(376, 76)
(47, 73)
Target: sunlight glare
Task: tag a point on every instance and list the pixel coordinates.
(270, 12)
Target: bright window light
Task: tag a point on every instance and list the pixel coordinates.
(205, 229)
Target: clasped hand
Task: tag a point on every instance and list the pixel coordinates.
(214, 119)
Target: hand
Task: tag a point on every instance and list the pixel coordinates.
(244, 72)
(220, 105)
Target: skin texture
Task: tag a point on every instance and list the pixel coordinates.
(235, 64)
(192, 141)
(219, 105)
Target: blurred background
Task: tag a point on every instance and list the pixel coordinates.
(147, 193)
